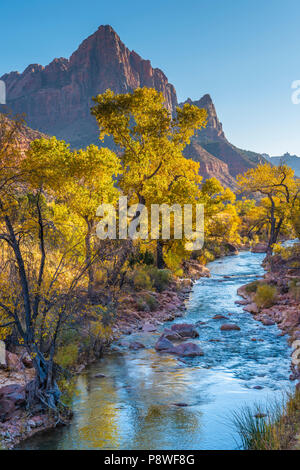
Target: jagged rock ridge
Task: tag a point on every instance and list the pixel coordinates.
(213, 140)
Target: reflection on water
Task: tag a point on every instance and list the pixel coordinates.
(133, 407)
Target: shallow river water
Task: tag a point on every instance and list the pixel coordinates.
(133, 406)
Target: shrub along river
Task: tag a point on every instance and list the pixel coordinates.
(132, 407)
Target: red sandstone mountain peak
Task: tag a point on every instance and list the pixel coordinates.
(214, 129)
(57, 98)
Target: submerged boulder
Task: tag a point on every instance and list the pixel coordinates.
(267, 321)
(230, 327)
(187, 350)
(135, 345)
(163, 344)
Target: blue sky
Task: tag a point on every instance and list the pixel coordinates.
(245, 53)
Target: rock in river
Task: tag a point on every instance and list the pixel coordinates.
(251, 308)
(135, 345)
(171, 335)
(187, 350)
(163, 344)
(186, 330)
(230, 327)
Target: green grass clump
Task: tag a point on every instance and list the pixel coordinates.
(269, 428)
(265, 296)
(142, 281)
(67, 355)
(147, 303)
(252, 287)
(160, 278)
(150, 277)
(151, 302)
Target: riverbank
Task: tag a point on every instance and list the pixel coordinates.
(131, 376)
(280, 291)
(18, 424)
(131, 397)
(132, 316)
(284, 309)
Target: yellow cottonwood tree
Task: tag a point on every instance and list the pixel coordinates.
(279, 193)
(151, 142)
(81, 179)
(222, 221)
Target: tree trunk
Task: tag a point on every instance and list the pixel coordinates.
(274, 234)
(88, 260)
(44, 387)
(160, 263)
(272, 228)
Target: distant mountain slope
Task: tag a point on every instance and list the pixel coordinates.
(56, 100)
(291, 160)
(210, 166)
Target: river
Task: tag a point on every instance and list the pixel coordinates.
(132, 407)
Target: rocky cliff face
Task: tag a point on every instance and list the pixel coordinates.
(214, 128)
(210, 166)
(213, 140)
(56, 100)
